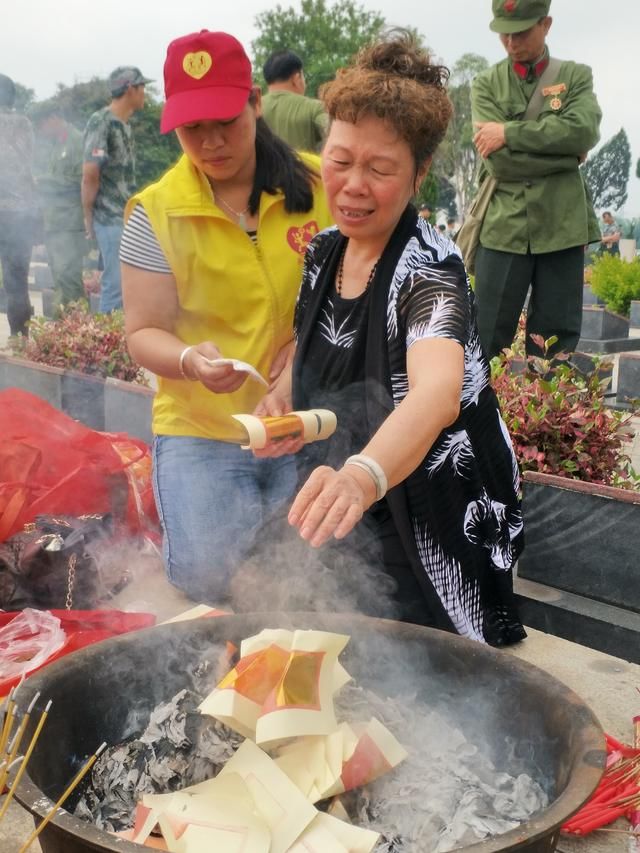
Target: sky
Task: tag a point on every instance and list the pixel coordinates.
(44, 43)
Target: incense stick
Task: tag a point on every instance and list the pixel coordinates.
(8, 716)
(15, 744)
(26, 757)
(8, 720)
(72, 786)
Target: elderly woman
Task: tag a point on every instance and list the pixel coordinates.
(212, 257)
(386, 336)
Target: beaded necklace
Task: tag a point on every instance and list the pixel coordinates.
(341, 272)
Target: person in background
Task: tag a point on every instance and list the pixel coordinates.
(610, 242)
(58, 172)
(17, 207)
(212, 258)
(300, 121)
(452, 228)
(386, 336)
(425, 212)
(108, 175)
(540, 217)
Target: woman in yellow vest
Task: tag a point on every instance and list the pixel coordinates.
(212, 259)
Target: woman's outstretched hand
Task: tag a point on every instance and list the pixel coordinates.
(331, 503)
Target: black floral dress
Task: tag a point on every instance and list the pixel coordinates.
(457, 516)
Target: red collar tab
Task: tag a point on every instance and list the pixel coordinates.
(530, 72)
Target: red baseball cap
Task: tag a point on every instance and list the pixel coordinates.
(207, 76)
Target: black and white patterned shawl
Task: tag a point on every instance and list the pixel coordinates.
(464, 571)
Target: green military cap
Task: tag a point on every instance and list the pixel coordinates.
(515, 16)
(125, 76)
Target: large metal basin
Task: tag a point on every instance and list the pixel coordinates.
(105, 693)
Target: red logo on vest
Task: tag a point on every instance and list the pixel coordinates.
(509, 6)
(299, 237)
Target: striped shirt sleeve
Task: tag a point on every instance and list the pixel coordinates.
(139, 246)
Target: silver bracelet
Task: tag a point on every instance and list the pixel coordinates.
(374, 470)
(181, 364)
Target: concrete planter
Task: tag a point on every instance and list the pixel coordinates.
(48, 303)
(634, 314)
(127, 408)
(581, 562)
(38, 379)
(599, 324)
(83, 398)
(627, 249)
(41, 276)
(628, 378)
(589, 297)
(603, 331)
(110, 405)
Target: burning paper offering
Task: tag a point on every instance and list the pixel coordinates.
(342, 761)
(311, 425)
(282, 688)
(250, 807)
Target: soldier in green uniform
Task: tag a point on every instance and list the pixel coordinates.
(540, 217)
(300, 121)
(58, 173)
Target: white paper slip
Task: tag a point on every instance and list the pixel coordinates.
(242, 366)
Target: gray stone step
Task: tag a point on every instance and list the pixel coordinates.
(590, 623)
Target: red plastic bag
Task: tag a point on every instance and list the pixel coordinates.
(51, 464)
(81, 627)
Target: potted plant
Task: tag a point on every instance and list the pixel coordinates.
(581, 495)
(616, 282)
(79, 363)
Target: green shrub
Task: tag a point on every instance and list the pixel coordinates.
(616, 282)
(558, 420)
(91, 343)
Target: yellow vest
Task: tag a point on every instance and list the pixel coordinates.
(231, 291)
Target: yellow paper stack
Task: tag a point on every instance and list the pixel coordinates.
(280, 697)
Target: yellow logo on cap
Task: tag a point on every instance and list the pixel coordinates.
(197, 64)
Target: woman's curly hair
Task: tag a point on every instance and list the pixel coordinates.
(395, 80)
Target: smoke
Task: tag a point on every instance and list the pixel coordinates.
(283, 573)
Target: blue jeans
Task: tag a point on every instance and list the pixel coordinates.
(108, 237)
(212, 499)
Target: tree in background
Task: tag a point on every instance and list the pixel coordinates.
(155, 152)
(24, 97)
(457, 158)
(325, 36)
(607, 172)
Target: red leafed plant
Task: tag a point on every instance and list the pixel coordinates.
(558, 419)
(78, 340)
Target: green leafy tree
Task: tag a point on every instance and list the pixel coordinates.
(607, 172)
(155, 152)
(24, 97)
(324, 35)
(457, 159)
(428, 192)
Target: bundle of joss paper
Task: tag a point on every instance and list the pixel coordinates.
(279, 696)
(617, 794)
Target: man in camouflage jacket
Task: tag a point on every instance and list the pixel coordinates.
(540, 216)
(108, 175)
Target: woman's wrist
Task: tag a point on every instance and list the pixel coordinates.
(374, 471)
(364, 482)
(182, 365)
